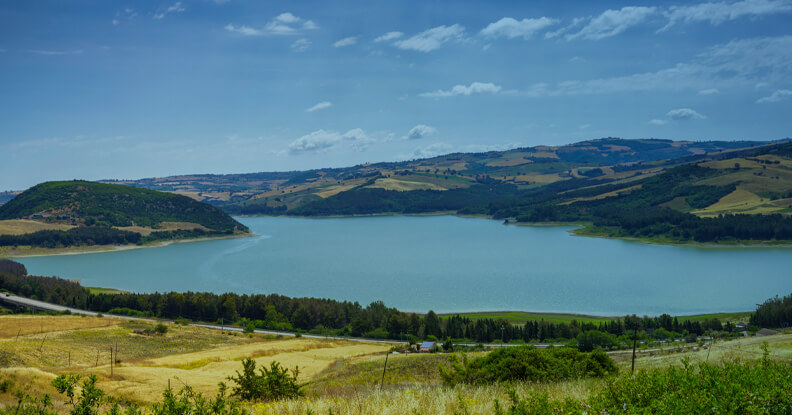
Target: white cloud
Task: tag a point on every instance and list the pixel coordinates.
(584, 126)
(347, 41)
(320, 106)
(658, 122)
(717, 13)
(512, 28)
(683, 114)
(389, 36)
(429, 151)
(287, 18)
(3, 50)
(420, 131)
(317, 141)
(176, 8)
(431, 39)
(778, 95)
(737, 63)
(575, 23)
(115, 22)
(709, 91)
(322, 140)
(56, 52)
(244, 30)
(474, 88)
(301, 45)
(284, 24)
(612, 22)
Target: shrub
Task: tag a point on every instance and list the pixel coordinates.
(160, 328)
(528, 364)
(269, 384)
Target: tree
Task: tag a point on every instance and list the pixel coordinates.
(269, 384)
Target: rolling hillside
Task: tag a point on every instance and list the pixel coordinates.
(525, 168)
(71, 213)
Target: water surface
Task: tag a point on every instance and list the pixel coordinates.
(447, 264)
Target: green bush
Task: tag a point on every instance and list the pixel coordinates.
(269, 384)
(160, 328)
(527, 363)
(731, 388)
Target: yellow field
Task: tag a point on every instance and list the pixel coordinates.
(23, 226)
(185, 354)
(164, 226)
(403, 185)
(539, 178)
(334, 190)
(11, 326)
(605, 195)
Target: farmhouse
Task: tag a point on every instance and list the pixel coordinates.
(426, 347)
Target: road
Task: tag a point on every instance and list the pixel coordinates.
(44, 306)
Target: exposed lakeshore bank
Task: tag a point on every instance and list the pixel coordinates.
(96, 249)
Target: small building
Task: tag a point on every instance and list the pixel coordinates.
(742, 326)
(765, 332)
(426, 347)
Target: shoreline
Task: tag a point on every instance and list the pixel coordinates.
(580, 231)
(98, 249)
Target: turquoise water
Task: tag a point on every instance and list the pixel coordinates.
(447, 264)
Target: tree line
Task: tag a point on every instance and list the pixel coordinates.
(326, 316)
(775, 312)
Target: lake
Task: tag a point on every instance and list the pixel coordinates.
(447, 264)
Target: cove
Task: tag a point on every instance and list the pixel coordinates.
(446, 264)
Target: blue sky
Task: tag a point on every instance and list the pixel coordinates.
(107, 89)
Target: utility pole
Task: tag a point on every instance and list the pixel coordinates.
(384, 368)
(502, 328)
(635, 341)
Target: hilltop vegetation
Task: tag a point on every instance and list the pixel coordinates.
(108, 214)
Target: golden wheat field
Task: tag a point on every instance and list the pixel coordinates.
(145, 363)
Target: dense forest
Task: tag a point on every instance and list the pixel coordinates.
(326, 316)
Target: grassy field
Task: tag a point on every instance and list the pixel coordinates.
(23, 226)
(344, 377)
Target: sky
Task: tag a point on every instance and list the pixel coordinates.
(106, 89)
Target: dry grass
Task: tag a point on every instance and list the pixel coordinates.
(334, 190)
(164, 226)
(403, 185)
(13, 325)
(539, 178)
(191, 355)
(423, 399)
(23, 226)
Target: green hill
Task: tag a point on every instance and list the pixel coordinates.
(103, 214)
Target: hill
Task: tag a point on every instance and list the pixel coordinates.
(85, 213)
(281, 192)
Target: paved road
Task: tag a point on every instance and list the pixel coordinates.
(44, 306)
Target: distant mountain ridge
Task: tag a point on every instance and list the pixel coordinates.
(281, 192)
